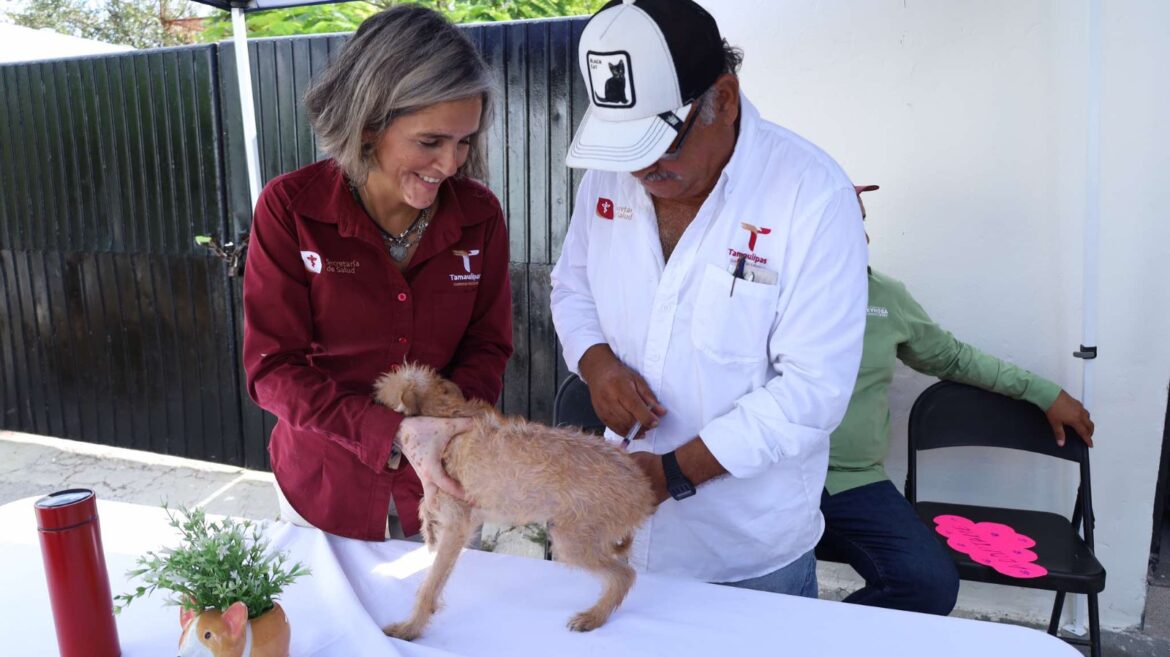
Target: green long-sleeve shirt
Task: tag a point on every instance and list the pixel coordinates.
(897, 326)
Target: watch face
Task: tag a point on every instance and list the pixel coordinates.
(680, 490)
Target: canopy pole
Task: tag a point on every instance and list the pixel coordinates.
(247, 109)
(1091, 238)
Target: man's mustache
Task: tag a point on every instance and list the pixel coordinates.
(659, 176)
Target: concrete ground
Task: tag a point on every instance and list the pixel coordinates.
(35, 465)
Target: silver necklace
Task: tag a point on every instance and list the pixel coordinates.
(398, 245)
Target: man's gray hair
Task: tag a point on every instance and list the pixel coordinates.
(732, 59)
(399, 61)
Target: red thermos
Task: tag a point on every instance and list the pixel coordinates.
(75, 567)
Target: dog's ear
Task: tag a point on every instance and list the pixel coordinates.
(449, 388)
(408, 404)
(386, 390)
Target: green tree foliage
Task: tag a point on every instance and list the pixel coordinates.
(345, 17)
(137, 23)
(154, 23)
(315, 19)
(482, 11)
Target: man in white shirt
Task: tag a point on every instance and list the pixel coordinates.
(711, 289)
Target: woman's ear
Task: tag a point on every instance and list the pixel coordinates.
(370, 144)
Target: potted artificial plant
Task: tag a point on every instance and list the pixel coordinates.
(225, 583)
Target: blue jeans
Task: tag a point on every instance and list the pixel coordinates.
(797, 578)
(876, 531)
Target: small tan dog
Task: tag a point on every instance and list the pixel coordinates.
(518, 472)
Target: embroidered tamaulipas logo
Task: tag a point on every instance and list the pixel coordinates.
(466, 255)
(755, 232)
(469, 278)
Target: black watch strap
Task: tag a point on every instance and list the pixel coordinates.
(677, 483)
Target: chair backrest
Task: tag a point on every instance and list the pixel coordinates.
(574, 407)
(949, 414)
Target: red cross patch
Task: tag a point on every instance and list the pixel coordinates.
(605, 208)
(312, 261)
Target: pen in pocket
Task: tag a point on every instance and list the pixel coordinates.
(738, 273)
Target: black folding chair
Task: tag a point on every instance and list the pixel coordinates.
(574, 407)
(951, 414)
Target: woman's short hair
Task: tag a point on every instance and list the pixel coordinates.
(399, 61)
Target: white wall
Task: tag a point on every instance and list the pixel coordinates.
(971, 116)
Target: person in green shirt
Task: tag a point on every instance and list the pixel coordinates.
(868, 523)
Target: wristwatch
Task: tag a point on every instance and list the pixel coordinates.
(677, 484)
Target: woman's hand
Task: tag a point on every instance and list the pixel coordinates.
(423, 440)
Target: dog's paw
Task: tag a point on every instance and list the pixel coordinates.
(586, 621)
(405, 631)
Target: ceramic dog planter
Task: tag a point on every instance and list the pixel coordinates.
(212, 633)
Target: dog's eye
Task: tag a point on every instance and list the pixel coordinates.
(207, 635)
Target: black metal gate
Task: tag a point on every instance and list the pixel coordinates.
(115, 328)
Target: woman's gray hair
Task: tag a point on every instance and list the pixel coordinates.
(399, 61)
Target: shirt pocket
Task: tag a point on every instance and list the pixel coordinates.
(732, 327)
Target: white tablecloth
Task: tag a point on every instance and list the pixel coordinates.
(494, 605)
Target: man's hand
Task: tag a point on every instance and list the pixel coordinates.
(620, 395)
(1068, 410)
(651, 464)
(423, 440)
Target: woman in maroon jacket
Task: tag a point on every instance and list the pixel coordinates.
(387, 252)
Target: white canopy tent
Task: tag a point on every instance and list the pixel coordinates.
(24, 44)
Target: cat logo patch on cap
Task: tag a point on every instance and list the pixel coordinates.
(611, 79)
